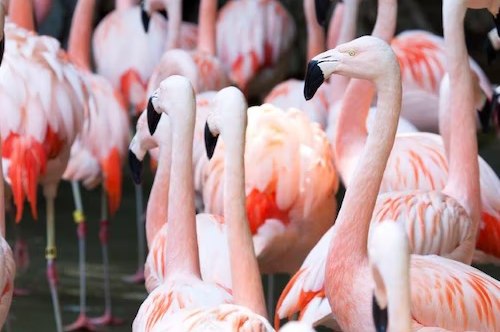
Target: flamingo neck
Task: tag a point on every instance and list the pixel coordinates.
(336, 22)
(206, 29)
(182, 245)
(315, 34)
(2, 20)
(81, 33)
(398, 295)
(2, 195)
(351, 132)
(246, 281)
(353, 220)
(463, 179)
(21, 12)
(174, 9)
(157, 209)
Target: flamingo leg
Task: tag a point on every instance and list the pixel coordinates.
(51, 254)
(138, 277)
(21, 255)
(82, 322)
(107, 318)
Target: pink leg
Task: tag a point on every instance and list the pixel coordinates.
(107, 318)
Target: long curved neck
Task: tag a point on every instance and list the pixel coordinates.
(2, 195)
(81, 33)
(397, 281)
(351, 132)
(182, 245)
(206, 29)
(353, 221)
(21, 13)
(157, 209)
(463, 179)
(246, 281)
(336, 22)
(174, 8)
(315, 34)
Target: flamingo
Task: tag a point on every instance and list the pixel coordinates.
(96, 155)
(305, 292)
(8, 272)
(183, 287)
(203, 69)
(37, 145)
(213, 252)
(347, 263)
(254, 48)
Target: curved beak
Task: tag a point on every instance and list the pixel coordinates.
(135, 166)
(318, 70)
(153, 117)
(145, 17)
(210, 141)
(491, 53)
(322, 10)
(2, 48)
(380, 318)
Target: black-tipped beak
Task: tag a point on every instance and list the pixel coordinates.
(135, 166)
(491, 53)
(2, 48)
(497, 22)
(153, 117)
(322, 10)
(380, 318)
(145, 18)
(210, 142)
(313, 80)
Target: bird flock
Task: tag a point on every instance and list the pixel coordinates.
(240, 191)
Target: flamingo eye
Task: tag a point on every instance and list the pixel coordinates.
(351, 52)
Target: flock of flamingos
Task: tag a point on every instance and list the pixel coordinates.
(420, 204)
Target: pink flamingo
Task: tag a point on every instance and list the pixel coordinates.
(183, 287)
(213, 252)
(254, 47)
(347, 260)
(305, 292)
(203, 69)
(228, 120)
(37, 146)
(101, 145)
(8, 272)
(289, 93)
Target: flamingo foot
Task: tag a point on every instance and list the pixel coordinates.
(82, 323)
(137, 278)
(107, 319)
(21, 292)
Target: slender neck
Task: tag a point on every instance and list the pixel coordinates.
(463, 179)
(157, 209)
(351, 129)
(246, 281)
(359, 201)
(336, 22)
(2, 195)
(315, 34)
(182, 245)
(21, 13)
(2, 20)
(174, 8)
(81, 33)
(206, 29)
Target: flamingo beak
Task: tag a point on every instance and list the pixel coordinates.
(322, 10)
(2, 48)
(135, 166)
(210, 141)
(153, 116)
(380, 318)
(145, 17)
(490, 51)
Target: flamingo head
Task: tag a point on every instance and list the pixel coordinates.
(147, 9)
(366, 57)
